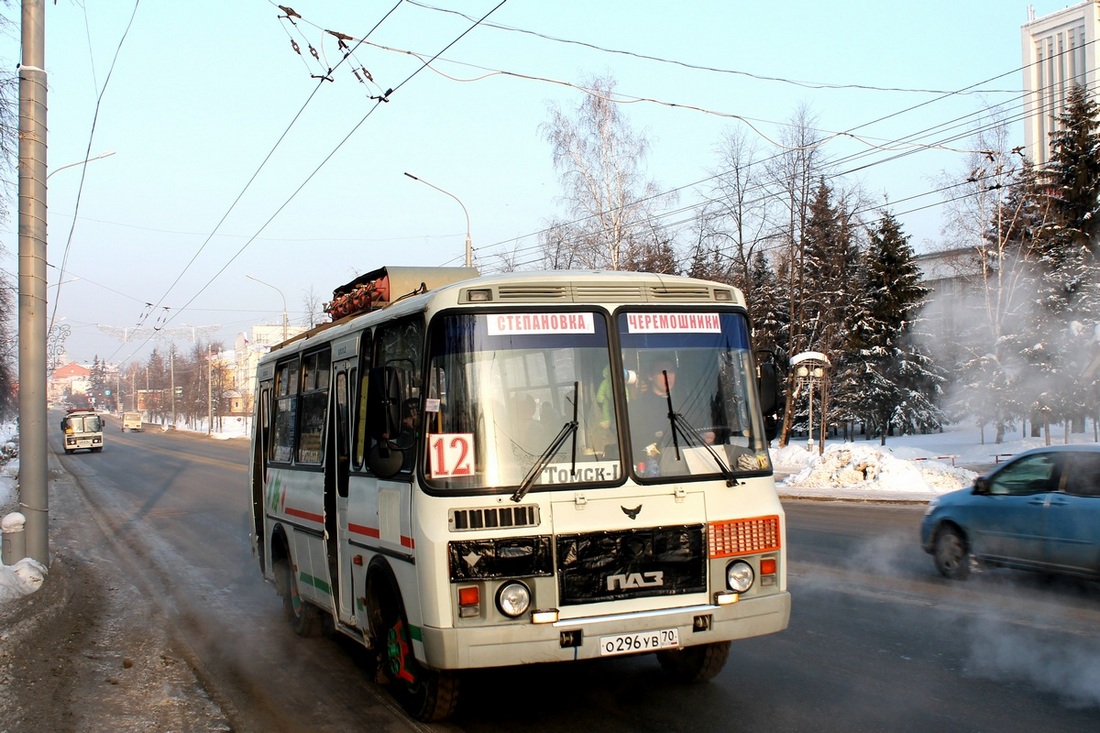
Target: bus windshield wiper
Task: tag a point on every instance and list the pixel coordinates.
(681, 428)
(569, 428)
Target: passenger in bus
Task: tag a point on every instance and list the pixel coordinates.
(526, 430)
(650, 425)
(650, 428)
(407, 439)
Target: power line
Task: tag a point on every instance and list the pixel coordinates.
(378, 102)
(247, 185)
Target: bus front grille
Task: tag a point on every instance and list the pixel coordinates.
(523, 515)
(637, 563)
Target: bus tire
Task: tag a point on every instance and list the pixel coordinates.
(695, 663)
(304, 617)
(427, 695)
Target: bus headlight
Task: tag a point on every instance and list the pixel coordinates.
(513, 599)
(739, 576)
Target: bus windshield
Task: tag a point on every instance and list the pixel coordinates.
(82, 423)
(512, 394)
(691, 407)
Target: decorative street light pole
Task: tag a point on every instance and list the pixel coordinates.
(810, 368)
(469, 243)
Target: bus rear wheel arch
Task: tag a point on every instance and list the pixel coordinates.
(427, 695)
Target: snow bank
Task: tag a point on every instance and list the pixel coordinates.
(860, 470)
(25, 576)
(21, 579)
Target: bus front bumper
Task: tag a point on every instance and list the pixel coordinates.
(579, 638)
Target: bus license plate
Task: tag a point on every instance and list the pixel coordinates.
(648, 641)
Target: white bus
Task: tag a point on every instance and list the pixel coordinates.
(531, 467)
(82, 430)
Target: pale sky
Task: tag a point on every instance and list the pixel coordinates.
(196, 95)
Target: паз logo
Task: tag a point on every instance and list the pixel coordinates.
(625, 581)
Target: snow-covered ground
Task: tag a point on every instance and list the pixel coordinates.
(907, 468)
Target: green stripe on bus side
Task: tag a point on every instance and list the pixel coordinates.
(315, 582)
(414, 633)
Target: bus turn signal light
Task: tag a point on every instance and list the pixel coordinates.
(469, 601)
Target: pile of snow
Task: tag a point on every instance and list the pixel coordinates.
(26, 575)
(869, 471)
(21, 579)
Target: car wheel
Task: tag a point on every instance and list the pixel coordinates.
(695, 663)
(304, 617)
(951, 554)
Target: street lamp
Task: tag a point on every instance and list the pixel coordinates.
(810, 367)
(80, 162)
(280, 292)
(469, 245)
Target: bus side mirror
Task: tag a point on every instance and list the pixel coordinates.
(768, 385)
(768, 389)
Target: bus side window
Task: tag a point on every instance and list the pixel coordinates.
(400, 347)
(285, 411)
(360, 434)
(316, 370)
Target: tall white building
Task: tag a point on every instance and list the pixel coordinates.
(1059, 51)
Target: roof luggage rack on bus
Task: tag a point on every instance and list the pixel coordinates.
(379, 288)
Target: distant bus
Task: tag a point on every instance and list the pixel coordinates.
(464, 472)
(83, 430)
(131, 421)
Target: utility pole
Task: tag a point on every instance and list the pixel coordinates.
(33, 477)
(172, 381)
(209, 389)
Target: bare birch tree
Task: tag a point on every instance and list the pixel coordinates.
(611, 204)
(794, 174)
(994, 211)
(737, 221)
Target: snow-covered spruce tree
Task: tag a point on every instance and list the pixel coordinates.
(1069, 289)
(830, 256)
(898, 385)
(765, 307)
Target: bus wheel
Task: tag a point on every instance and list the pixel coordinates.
(695, 663)
(427, 695)
(304, 617)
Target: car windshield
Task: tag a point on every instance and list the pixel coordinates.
(690, 394)
(519, 395)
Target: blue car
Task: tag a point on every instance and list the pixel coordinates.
(1040, 511)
